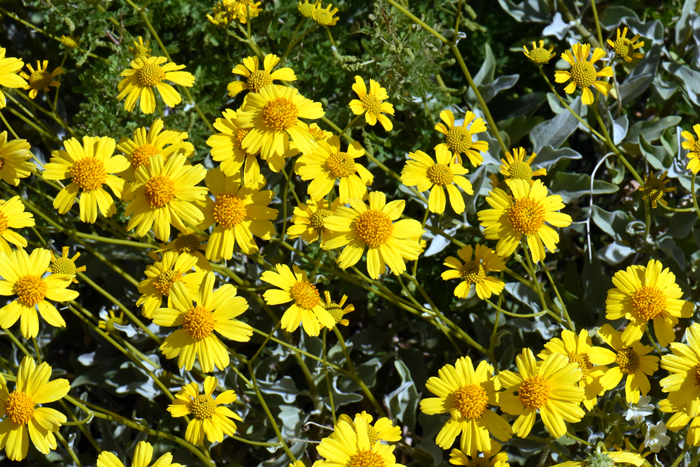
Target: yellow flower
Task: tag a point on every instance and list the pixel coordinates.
(256, 78)
(226, 147)
(383, 430)
(164, 194)
(89, 166)
(22, 277)
(325, 16)
(443, 173)
(64, 264)
(13, 216)
(474, 271)
(146, 74)
(579, 350)
(140, 49)
(160, 278)
(14, 158)
(337, 311)
(309, 220)
(373, 226)
(274, 115)
(187, 243)
(694, 147)
(328, 164)
(9, 67)
(69, 42)
(466, 394)
(149, 142)
(114, 319)
(683, 385)
(643, 294)
(223, 14)
(548, 387)
(143, 455)
(319, 134)
(491, 457)
(370, 103)
(352, 446)
(539, 55)
(631, 358)
(307, 9)
(40, 79)
(208, 416)
(654, 188)
(242, 8)
(24, 420)
(459, 138)
(626, 48)
(604, 458)
(583, 72)
(212, 311)
(516, 167)
(307, 308)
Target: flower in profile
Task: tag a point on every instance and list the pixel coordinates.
(257, 78)
(625, 48)
(211, 311)
(632, 360)
(642, 409)
(548, 387)
(188, 243)
(149, 142)
(374, 227)
(274, 115)
(583, 73)
(459, 137)
(642, 294)
(523, 216)
(141, 49)
(683, 384)
(160, 278)
(493, 457)
(13, 216)
(23, 278)
(308, 220)
(475, 271)
(466, 394)
(164, 194)
(307, 9)
(226, 147)
(692, 145)
(539, 55)
(443, 173)
(146, 74)
(383, 430)
(351, 445)
(40, 79)
(89, 166)
(337, 311)
(306, 308)
(23, 419)
(14, 157)
(64, 264)
(654, 188)
(656, 437)
(318, 133)
(243, 10)
(325, 16)
(328, 164)
(370, 103)
(9, 78)
(69, 42)
(601, 457)
(110, 321)
(143, 455)
(222, 14)
(516, 167)
(209, 417)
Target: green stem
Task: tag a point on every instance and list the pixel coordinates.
(352, 122)
(653, 342)
(328, 380)
(680, 457)
(556, 291)
(597, 23)
(9, 127)
(694, 194)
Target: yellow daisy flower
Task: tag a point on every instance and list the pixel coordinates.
(643, 294)
(226, 147)
(108, 324)
(307, 9)
(383, 430)
(307, 308)
(443, 173)
(70, 42)
(524, 214)
(351, 446)
(683, 385)
(632, 360)
(13, 216)
(466, 394)
(241, 9)
(40, 79)
(548, 387)
(14, 157)
(516, 167)
(539, 55)
(373, 226)
(370, 103)
(604, 458)
(580, 350)
(308, 220)
(256, 78)
(474, 271)
(64, 264)
(626, 48)
(209, 417)
(222, 14)
(140, 49)
(692, 145)
(89, 166)
(22, 277)
(273, 115)
(337, 311)
(318, 133)
(654, 188)
(583, 72)
(160, 278)
(212, 311)
(146, 74)
(9, 78)
(328, 164)
(164, 194)
(325, 16)
(680, 419)
(23, 419)
(187, 244)
(143, 455)
(149, 142)
(493, 457)
(459, 138)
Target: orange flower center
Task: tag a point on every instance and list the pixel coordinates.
(520, 170)
(30, 290)
(583, 362)
(440, 174)
(526, 216)
(258, 80)
(374, 228)
(4, 220)
(202, 407)
(305, 295)
(318, 218)
(142, 154)
(473, 272)
(159, 190)
(165, 280)
(89, 173)
(366, 458)
(317, 133)
(534, 392)
(628, 361)
(187, 244)
(19, 408)
(198, 323)
(40, 79)
(583, 73)
(340, 164)
(150, 75)
(459, 139)
(648, 303)
(229, 211)
(371, 103)
(280, 114)
(240, 136)
(471, 401)
(697, 375)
